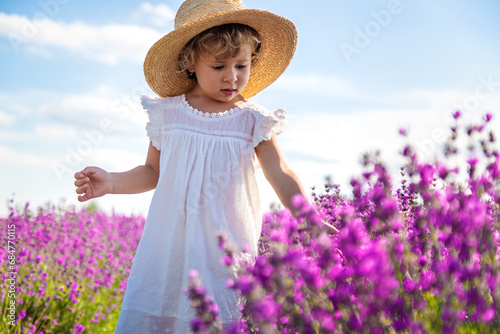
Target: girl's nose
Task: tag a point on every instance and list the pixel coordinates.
(230, 75)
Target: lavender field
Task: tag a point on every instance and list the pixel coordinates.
(416, 256)
(67, 270)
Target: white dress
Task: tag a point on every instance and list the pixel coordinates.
(206, 185)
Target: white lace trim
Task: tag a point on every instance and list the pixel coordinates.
(272, 123)
(267, 122)
(153, 127)
(200, 113)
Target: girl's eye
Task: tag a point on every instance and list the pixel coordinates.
(218, 67)
(241, 66)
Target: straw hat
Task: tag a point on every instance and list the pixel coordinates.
(278, 35)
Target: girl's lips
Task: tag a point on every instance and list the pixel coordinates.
(228, 91)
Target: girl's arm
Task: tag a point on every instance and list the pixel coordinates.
(94, 182)
(284, 181)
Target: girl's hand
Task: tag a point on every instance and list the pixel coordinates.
(332, 230)
(92, 182)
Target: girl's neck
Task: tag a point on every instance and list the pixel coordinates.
(206, 104)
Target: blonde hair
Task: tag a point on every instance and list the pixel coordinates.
(222, 42)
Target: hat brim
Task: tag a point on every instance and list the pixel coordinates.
(278, 35)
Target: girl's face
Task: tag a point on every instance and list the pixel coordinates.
(222, 79)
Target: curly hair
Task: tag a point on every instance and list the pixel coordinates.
(222, 42)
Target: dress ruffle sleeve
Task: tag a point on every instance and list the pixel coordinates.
(268, 123)
(152, 106)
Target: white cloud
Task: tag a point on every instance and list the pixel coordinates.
(85, 153)
(10, 156)
(7, 119)
(115, 159)
(111, 43)
(58, 125)
(315, 84)
(57, 131)
(85, 109)
(39, 51)
(88, 104)
(160, 16)
(89, 110)
(18, 107)
(444, 103)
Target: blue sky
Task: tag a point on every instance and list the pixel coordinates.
(72, 77)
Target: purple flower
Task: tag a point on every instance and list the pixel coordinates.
(193, 274)
(427, 279)
(354, 324)
(244, 284)
(422, 261)
(266, 310)
(207, 312)
(489, 314)
(312, 274)
(226, 260)
(325, 319)
(78, 329)
(197, 325)
(409, 285)
(21, 314)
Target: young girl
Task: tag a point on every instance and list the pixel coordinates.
(205, 136)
